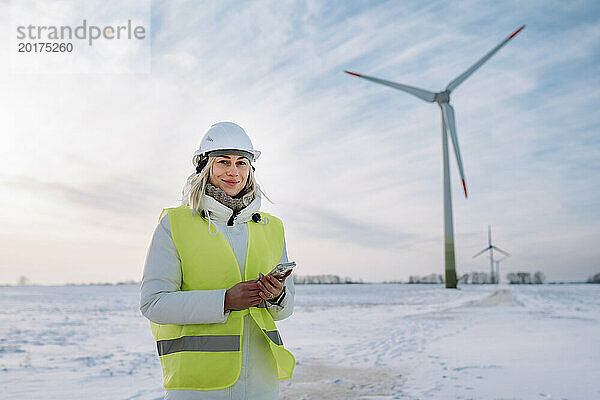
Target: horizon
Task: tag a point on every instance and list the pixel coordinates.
(359, 281)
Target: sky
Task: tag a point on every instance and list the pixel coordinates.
(90, 157)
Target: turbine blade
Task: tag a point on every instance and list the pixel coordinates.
(501, 251)
(448, 114)
(482, 251)
(490, 234)
(458, 80)
(420, 93)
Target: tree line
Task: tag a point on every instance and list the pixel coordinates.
(480, 278)
(323, 279)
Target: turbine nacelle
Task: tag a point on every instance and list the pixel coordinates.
(442, 97)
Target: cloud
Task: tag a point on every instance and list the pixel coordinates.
(356, 229)
(118, 195)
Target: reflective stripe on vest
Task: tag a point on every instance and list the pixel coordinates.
(208, 356)
(274, 336)
(199, 343)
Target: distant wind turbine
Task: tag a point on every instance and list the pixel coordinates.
(491, 249)
(448, 126)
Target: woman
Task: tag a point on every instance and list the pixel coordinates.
(206, 287)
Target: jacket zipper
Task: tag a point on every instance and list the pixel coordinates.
(230, 222)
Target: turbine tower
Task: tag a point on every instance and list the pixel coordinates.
(491, 248)
(448, 127)
(498, 267)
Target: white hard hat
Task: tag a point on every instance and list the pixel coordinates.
(224, 138)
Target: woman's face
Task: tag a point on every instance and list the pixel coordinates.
(230, 173)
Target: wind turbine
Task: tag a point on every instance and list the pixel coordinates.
(448, 126)
(491, 248)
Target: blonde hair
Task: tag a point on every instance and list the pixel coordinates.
(195, 187)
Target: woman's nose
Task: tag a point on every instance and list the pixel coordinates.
(232, 170)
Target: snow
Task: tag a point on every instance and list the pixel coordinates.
(370, 341)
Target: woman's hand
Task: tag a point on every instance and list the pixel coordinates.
(243, 295)
(250, 293)
(270, 286)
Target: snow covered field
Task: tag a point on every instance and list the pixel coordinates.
(350, 341)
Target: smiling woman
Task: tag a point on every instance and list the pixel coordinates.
(206, 287)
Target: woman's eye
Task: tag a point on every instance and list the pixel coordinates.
(242, 163)
(223, 162)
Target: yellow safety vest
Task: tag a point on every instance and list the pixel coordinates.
(209, 356)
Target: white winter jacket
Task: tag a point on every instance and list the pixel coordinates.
(163, 302)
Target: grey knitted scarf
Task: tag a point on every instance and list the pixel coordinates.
(235, 203)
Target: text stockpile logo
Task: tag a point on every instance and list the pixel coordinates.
(88, 32)
(71, 36)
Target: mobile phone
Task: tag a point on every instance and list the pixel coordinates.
(281, 269)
